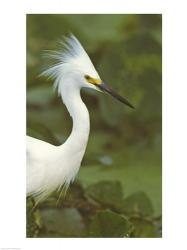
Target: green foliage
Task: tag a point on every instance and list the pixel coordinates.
(33, 219)
(138, 203)
(62, 222)
(108, 193)
(85, 214)
(109, 224)
(120, 175)
(144, 228)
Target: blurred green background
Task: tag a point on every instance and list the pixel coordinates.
(124, 148)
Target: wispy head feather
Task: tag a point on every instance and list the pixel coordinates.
(69, 58)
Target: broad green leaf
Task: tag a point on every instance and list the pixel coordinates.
(66, 222)
(144, 228)
(137, 203)
(109, 224)
(107, 193)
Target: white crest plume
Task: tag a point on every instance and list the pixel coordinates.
(70, 58)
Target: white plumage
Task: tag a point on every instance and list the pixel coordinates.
(50, 167)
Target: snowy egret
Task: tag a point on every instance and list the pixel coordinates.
(52, 167)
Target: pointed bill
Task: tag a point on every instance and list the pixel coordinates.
(105, 88)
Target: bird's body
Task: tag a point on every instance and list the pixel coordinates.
(64, 159)
(50, 167)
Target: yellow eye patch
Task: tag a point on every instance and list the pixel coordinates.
(92, 80)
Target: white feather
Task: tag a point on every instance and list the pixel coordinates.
(50, 167)
(70, 57)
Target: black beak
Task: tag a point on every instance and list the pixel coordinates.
(104, 87)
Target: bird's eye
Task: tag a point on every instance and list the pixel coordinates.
(87, 77)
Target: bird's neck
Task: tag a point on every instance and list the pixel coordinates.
(78, 138)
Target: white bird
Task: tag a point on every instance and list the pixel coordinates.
(51, 167)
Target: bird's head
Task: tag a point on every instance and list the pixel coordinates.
(73, 65)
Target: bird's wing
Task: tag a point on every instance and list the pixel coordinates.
(37, 153)
(34, 144)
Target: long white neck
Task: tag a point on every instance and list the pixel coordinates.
(77, 141)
